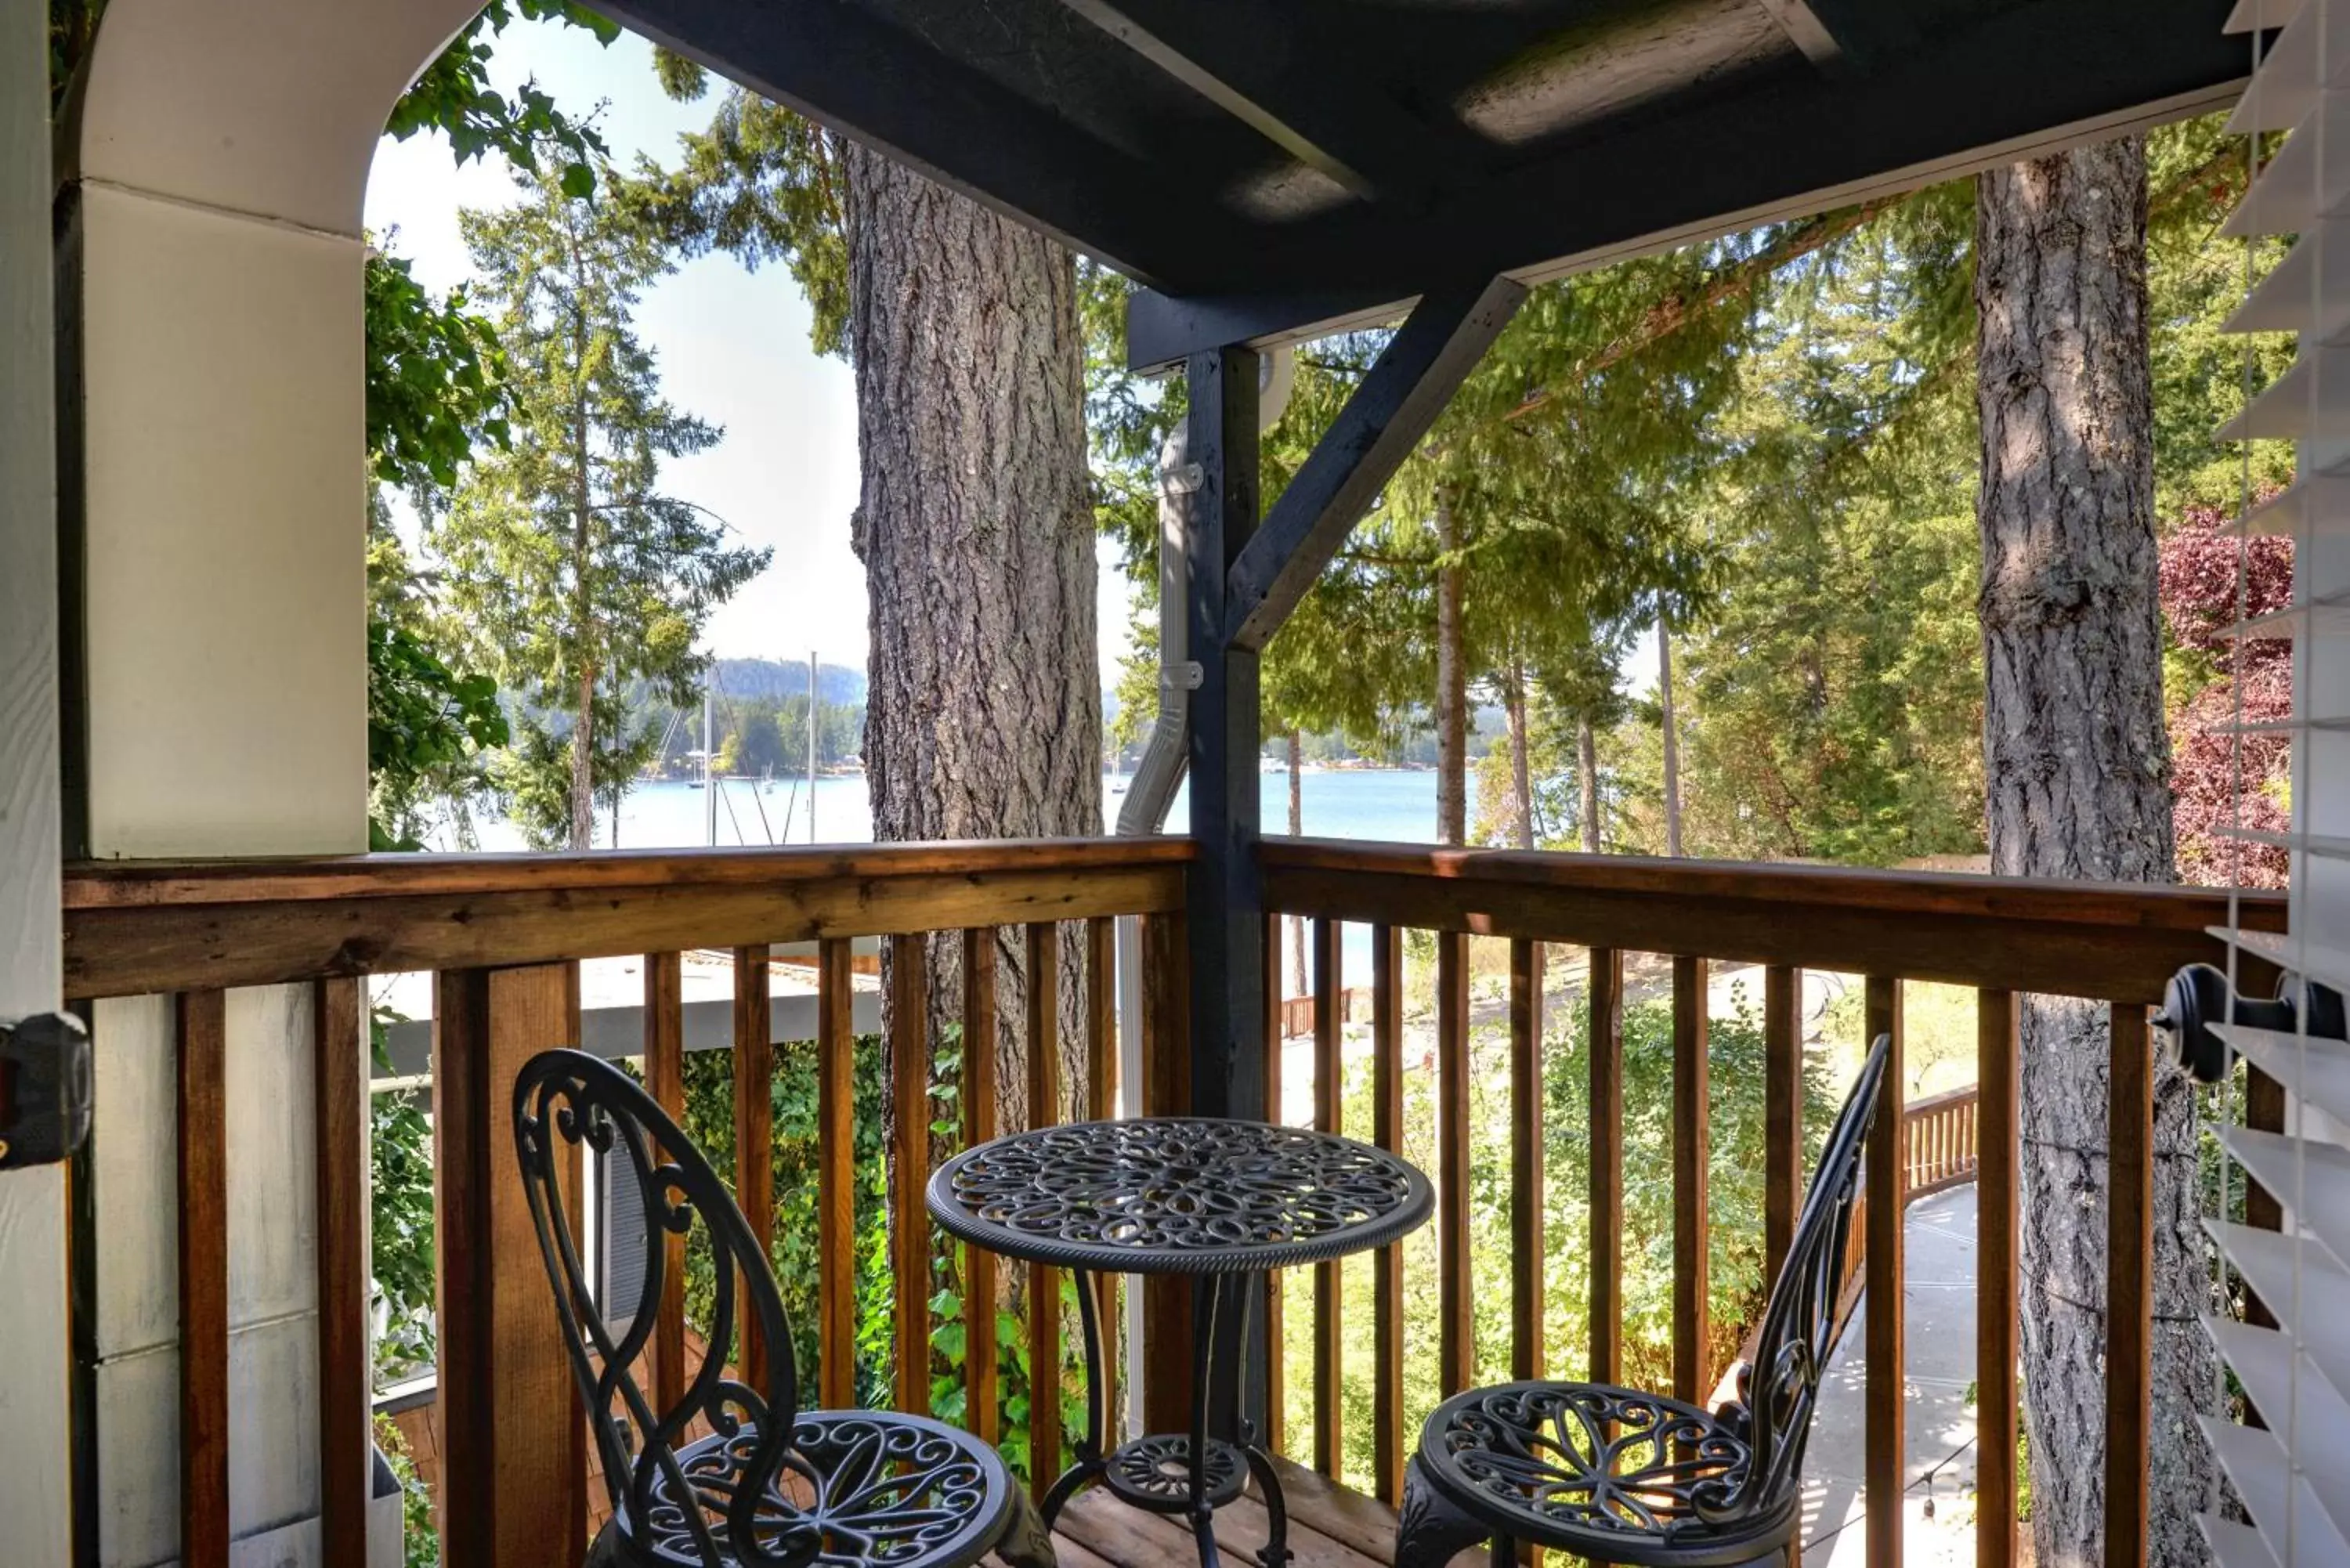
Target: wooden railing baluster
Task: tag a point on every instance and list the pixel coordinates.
(1782, 1112)
(1457, 1349)
(981, 1355)
(1386, 1296)
(203, 1278)
(910, 1233)
(2129, 1287)
(1101, 1105)
(1607, 1305)
(665, 1081)
(1886, 1172)
(1329, 1340)
(465, 1509)
(1692, 1154)
(835, 1202)
(1166, 1064)
(346, 1371)
(1525, 1158)
(1276, 1323)
(1101, 1018)
(514, 1445)
(1044, 1283)
(1997, 1051)
(754, 1133)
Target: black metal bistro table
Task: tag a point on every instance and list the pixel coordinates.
(1221, 1201)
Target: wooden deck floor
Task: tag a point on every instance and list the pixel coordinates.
(1329, 1527)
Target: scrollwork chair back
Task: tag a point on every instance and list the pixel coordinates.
(568, 1097)
(1778, 1390)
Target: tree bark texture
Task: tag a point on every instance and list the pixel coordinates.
(1586, 771)
(974, 524)
(1522, 787)
(583, 564)
(1451, 689)
(2076, 767)
(1671, 737)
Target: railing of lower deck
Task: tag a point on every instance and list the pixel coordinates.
(1940, 1152)
(1941, 1138)
(2005, 939)
(503, 936)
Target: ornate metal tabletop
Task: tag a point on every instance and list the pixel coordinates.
(1177, 1195)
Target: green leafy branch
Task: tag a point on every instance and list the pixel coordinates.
(454, 97)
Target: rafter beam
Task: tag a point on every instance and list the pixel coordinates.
(1237, 56)
(1431, 354)
(853, 73)
(1163, 330)
(1810, 32)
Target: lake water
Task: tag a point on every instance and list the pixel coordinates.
(1397, 805)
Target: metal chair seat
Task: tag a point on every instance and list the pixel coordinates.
(858, 1487)
(1610, 1474)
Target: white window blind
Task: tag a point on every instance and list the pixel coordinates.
(2292, 1471)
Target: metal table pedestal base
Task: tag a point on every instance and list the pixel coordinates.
(1189, 1474)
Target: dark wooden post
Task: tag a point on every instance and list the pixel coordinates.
(1244, 581)
(1226, 892)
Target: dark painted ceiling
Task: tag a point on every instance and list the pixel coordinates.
(1267, 164)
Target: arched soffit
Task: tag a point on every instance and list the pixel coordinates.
(271, 107)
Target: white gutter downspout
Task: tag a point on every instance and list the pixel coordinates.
(1164, 758)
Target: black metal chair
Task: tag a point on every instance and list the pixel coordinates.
(1616, 1475)
(772, 1486)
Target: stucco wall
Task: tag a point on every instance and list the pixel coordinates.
(215, 202)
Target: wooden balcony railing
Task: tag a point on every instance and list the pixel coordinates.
(2115, 945)
(504, 936)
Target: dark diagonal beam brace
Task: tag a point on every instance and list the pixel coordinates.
(1431, 354)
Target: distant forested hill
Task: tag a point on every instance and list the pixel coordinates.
(769, 681)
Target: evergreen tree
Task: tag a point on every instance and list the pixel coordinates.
(973, 522)
(2076, 771)
(574, 574)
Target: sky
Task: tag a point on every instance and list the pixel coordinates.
(731, 345)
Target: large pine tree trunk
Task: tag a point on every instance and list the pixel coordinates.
(984, 713)
(1451, 689)
(1587, 770)
(2076, 767)
(1522, 783)
(1672, 737)
(583, 724)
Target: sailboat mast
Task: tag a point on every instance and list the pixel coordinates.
(811, 756)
